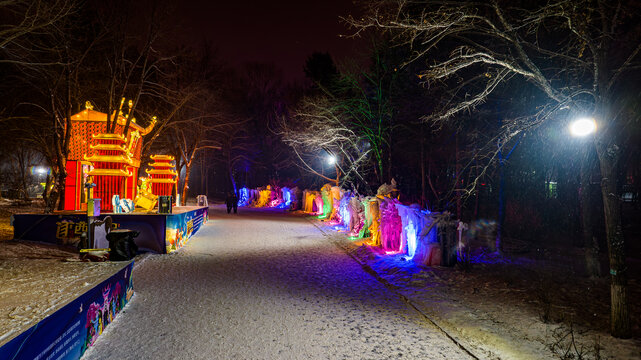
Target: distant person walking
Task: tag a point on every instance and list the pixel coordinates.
(229, 202)
(235, 202)
(232, 202)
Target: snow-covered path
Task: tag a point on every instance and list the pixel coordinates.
(264, 285)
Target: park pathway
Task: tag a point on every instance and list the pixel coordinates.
(264, 285)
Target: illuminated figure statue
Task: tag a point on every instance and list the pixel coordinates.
(335, 215)
(375, 222)
(357, 216)
(326, 194)
(145, 198)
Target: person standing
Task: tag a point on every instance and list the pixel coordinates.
(229, 201)
(235, 202)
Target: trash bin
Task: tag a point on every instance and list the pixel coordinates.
(164, 204)
(446, 232)
(121, 244)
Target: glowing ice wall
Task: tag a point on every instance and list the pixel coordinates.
(428, 250)
(287, 198)
(326, 193)
(336, 200)
(357, 214)
(375, 221)
(318, 204)
(243, 197)
(263, 198)
(367, 221)
(391, 226)
(297, 199)
(254, 194)
(344, 210)
(310, 197)
(419, 235)
(412, 222)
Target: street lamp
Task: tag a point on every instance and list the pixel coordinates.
(331, 160)
(583, 127)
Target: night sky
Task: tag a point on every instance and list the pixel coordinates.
(283, 32)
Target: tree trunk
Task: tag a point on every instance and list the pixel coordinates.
(458, 179)
(619, 314)
(62, 177)
(207, 181)
(590, 244)
(232, 180)
(185, 192)
(423, 189)
(477, 195)
(230, 170)
(203, 177)
(501, 219)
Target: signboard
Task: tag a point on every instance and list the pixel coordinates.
(181, 227)
(67, 229)
(158, 233)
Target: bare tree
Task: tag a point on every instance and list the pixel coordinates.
(22, 19)
(580, 54)
(318, 131)
(189, 141)
(238, 150)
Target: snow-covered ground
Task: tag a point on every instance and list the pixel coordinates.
(265, 285)
(495, 311)
(38, 279)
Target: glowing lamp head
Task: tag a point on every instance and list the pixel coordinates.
(583, 127)
(331, 160)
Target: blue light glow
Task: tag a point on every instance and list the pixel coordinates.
(243, 197)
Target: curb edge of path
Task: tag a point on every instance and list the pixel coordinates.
(368, 269)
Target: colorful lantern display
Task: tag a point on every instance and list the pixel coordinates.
(390, 226)
(145, 197)
(394, 228)
(310, 197)
(367, 221)
(286, 196)
(263, 197)
(243, 197)
(357, 216)
(163, 175)
(375, 221)
(326, 194)
(109, 160)
(344, 210)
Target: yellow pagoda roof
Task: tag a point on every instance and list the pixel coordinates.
(162, 157)
(161, 165)
(97, 116)
(164, 181)
(161, 172)
(119, 159)
(109, 172)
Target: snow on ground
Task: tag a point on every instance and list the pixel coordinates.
(267, 285)
(9, 207)
(264, 285)
(38, 279)
(496, 310)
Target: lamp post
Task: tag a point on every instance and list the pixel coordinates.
(582, 128)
